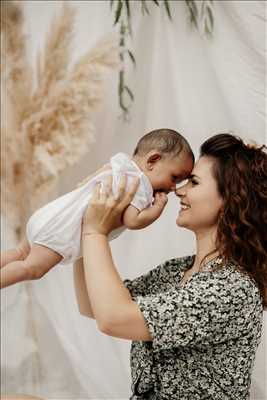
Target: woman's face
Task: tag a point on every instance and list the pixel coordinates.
(200, 200)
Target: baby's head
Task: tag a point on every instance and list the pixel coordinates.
(165, 157)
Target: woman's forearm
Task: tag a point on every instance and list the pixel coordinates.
(114, 310)
(108, 296)
(81, 292)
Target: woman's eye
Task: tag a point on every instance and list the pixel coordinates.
(193, 182)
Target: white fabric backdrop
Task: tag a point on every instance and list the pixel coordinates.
(182, 81)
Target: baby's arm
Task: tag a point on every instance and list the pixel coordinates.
(135, 219)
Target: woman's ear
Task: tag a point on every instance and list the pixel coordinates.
(152, 158)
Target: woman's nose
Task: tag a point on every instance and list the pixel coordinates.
(180, 191)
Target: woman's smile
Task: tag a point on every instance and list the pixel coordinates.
(184, 206)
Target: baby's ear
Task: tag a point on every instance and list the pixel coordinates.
(152, 157)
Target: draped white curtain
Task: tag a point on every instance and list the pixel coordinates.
(183, 81)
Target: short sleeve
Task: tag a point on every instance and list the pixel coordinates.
(161, 278)
(144, 195)
(122, 164)
(203, 312)
(145, 284)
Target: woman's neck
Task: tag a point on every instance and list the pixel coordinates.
(205, 247)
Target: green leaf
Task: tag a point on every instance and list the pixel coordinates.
(193, 12)
(209, 11)
(167, 7)
(191, 4)
(207, 30)
(118, 12)
(122, 29)
(195, 8)
(121, 100)
(130, 93)
(202, 8)
(121, 82)
(122, 106)
(131, 57)
(193, 19)
(122, 34)
(156, 2)
(144, 7)
(128, 10)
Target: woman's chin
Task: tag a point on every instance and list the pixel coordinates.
(179, 221)
(182, 222)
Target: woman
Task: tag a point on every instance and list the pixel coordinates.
(195, 321)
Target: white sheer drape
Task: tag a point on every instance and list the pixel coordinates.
(182, 81)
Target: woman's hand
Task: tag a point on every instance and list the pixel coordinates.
(104, 212)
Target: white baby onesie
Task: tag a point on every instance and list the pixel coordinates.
(57, 225)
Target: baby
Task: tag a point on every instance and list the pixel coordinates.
(162, 159)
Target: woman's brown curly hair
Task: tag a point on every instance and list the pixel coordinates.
(241, 174)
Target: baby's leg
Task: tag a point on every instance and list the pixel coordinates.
(39, 261)
(9, 256)
(18, 254)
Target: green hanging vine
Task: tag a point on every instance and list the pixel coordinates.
(203, 15)
(199, 12)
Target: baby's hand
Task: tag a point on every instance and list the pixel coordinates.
(160, 200)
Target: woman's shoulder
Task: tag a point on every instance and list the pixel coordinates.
(234, 273)
(176, 264)
(169, 269)
(179, 261)
(233, 279)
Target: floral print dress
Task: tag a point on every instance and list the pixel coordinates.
(205, 332)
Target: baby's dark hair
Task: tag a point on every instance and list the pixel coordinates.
(167, 141)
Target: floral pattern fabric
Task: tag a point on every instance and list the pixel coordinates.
(205, 332)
